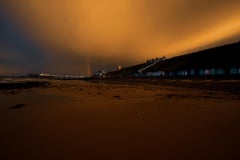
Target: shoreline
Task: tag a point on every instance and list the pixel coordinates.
(222, 85)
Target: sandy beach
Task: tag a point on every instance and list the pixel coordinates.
(120, 120)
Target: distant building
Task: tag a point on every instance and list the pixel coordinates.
(201, 72)
(182, 73)
(156, 59)
(156, 74)
(220, 71)
(44, 75)
(172, 74)
(213, 71)
(233, 71)
(192, 72)
(206, 72)
(101, 73)
(119, 67)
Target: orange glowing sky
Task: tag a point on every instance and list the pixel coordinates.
(109, 32)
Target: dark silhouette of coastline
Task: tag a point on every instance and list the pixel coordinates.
(222, 58)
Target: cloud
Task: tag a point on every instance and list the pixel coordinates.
(126, 31)
(17, 52)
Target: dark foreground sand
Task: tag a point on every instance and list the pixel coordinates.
(119, 121)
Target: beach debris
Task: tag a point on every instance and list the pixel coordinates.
(18, 106)
(117, 97)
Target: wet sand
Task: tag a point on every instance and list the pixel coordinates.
(120, 120)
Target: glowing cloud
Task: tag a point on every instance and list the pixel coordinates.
(126, 30)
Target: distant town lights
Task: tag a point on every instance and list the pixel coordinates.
(119, 67)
